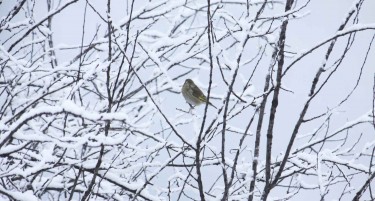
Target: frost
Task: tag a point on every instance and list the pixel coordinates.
(26, 196)
(100, 112)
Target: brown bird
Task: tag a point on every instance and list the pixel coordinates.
(193, 95)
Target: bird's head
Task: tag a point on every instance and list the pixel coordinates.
(189, 81)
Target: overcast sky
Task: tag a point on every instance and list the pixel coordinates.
(319, 21)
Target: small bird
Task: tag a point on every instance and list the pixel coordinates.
(193, 95)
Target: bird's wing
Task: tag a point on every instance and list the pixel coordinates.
(199, 94)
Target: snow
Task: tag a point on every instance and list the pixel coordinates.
(12, 148)
(15, 62)
(53, 123)
(12, 25)
(21, 196)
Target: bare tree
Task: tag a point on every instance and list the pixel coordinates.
(101, 117)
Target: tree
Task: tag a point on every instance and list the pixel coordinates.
(91, 105)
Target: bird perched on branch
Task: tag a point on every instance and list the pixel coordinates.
(193, 95)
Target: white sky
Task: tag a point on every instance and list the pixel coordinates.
(322, 21)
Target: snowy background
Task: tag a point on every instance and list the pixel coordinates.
(91, 109)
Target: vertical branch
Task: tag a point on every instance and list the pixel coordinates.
(257, 138)
(109, 99)
(109, 23)
(312, 94)
(75, 184)
(115, 85)
(261, 116)
(95, 173)
(82, 39)
(128, 26)
(239, 150)
(226, 107)
(50, 40)
(226, 184)
(199, 139)
(275, 100)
